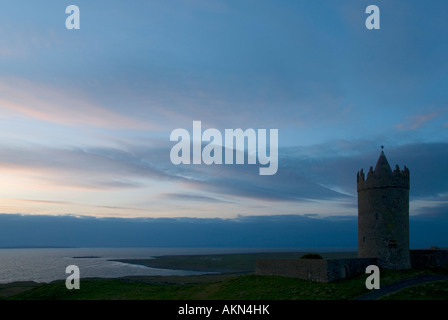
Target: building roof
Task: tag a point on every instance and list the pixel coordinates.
(382, 166)
(383, 176)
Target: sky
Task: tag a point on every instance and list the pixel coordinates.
(86, 115)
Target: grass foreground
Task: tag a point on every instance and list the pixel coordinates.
(231, 287)
(226, 287)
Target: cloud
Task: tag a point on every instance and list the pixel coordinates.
(43, 201)
(417, 121)
(421, 119)
(63, 107)
(190, 197)
(304, 175)
(84, 205)
(102, 168)
(323, 173)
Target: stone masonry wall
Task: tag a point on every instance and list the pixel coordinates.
(318, 270)
(429, 258)
(345, 268)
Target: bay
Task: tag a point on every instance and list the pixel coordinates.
(49, 264)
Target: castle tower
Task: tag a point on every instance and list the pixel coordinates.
(383, 215)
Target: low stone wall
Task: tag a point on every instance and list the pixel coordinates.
(429, 258)
(345, 268)
(318, 270)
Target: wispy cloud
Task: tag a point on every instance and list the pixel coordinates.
(63, 107)
(105, 169)
(191, 197)
(417, 121)
(300, 178)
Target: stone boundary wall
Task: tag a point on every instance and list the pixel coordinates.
(345, 268)
(319, 270)
(425, 258)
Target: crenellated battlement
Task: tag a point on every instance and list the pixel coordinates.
(383, 176)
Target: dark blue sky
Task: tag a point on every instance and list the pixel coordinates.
(86, 115)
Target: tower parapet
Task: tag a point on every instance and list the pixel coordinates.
(383, 176)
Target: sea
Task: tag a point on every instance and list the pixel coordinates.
(48, 264)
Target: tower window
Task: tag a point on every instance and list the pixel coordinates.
(393, 243)
(363, 239)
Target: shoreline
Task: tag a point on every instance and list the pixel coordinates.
(224, 263)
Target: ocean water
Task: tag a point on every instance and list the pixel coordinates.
(49, 264)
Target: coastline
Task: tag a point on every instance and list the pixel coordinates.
(223, 263)
(224, 276)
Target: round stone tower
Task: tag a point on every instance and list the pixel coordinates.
(383, 215)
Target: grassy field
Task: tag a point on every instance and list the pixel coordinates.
(245, 287)
(238, 284)
(428, 291)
